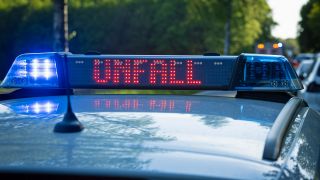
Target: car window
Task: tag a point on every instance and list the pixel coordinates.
(305, 68)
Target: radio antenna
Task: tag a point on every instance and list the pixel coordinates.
(70, 122)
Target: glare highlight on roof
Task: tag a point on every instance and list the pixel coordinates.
(38, 107)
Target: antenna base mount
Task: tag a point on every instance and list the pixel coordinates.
(69, 124)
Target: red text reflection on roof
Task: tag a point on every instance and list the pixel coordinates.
(162, 105)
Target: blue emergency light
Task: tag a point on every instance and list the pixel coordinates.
(33, 71)
(242, 73)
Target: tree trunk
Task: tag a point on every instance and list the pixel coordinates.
(226, 49)
(60, 25)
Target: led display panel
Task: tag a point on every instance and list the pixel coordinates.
(151, 72)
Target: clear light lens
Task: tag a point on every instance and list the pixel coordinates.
(32, 70)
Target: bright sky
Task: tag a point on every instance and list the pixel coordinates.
(287, 14)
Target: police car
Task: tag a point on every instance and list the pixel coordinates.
(50, 131)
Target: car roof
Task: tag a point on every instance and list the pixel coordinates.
(126, 132)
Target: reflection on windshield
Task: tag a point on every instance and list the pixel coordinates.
(115, 143)
(118, 142)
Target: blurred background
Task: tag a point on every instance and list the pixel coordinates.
(153, 27)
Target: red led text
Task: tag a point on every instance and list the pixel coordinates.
(130, 71)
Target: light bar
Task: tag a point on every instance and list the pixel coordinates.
(247, 72)
(33, 71)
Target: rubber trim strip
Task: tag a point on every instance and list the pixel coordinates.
(278, 131)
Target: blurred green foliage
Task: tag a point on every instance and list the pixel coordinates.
(309, 37)
(133, 26)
